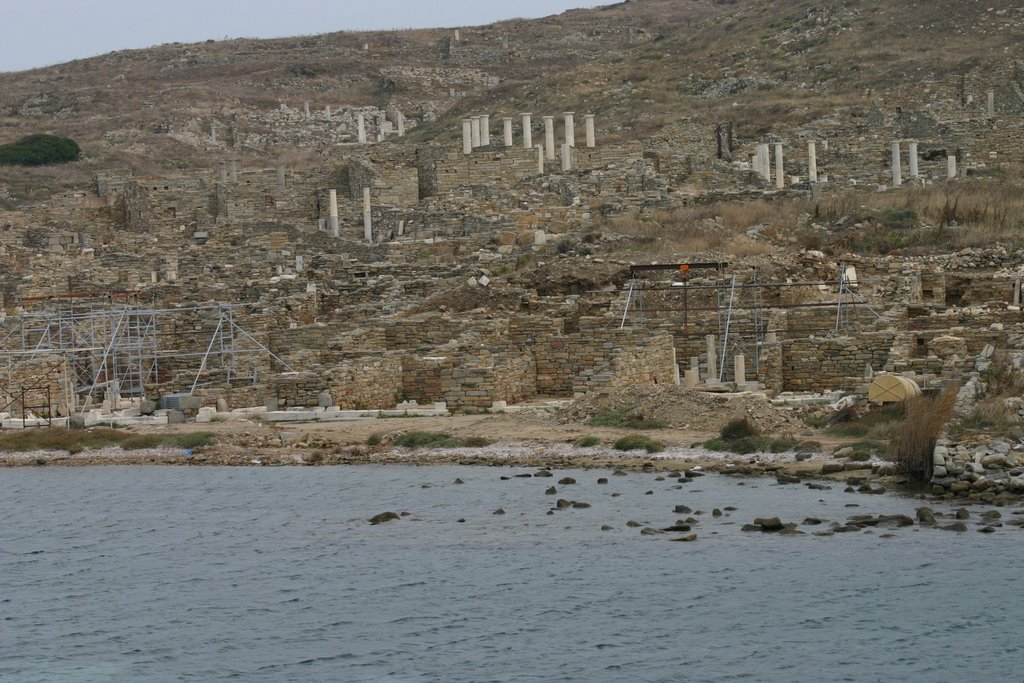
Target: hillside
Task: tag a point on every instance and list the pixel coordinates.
(639, 66)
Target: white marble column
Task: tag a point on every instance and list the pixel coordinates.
(739, 364)
(527, 130)
(485, 130)
(712, 359)
(812, 162)
(991, 103)
(506, 126)
(588, 126)
(912, 158)
(540, 159)
(897, 168)
(367, 216)
(327, 112)
(570, 128)
(951, 166)
(334, 212)
(467, 136)
(305, 108)
(475, 131)
(400, 123)
(361, 128)
(549, 138)
(566, 157)
(780, 171)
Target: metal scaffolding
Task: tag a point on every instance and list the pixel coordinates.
(118, 347)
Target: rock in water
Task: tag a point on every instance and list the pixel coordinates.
(383, 517)
(769, 523)
(689, 538)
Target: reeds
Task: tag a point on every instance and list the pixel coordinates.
(914, 440)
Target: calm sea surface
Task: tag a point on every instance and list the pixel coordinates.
(258, 574)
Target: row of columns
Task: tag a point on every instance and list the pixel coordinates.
(739, 364)
(367, 214)
(361, 122)
(476, 132)
(761, 164)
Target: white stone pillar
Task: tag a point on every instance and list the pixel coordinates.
(485, 130)
(475, 130)
(527, 130)
(400, 123)
(912, 158)
(298, 263)
(766, 162)
(458, 37)
(991, 103)
(812, 162)
(566, 157)
(280, 179)
(712, 359)
(588, 127)
(334, 212)
(506, 128)
(897, 168)
(361, 128)
(951, 166)
(327, 112)
(739, 365)
(780, 171)
(570, 128)
(305, 108)
(213, 133)
(540, 159)
(367, 216)
(467, 136)
(549, 138)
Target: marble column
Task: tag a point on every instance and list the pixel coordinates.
(912, 159)
(570, 128)
(588, 127)
(467, 136)
(712, 359)
(485, 130)
(527, 130)
(305, 109)
(475, 131)
(400, 123)
(506, 126)
(327, 112)
(951, 166)
(334, 212)
(780, 171)
(566, 157)
(991, 109)
(897, 168)
(549, 138)
(361, 128)
(812, 162)
(739, 364)
(540, 159)
(367, 216)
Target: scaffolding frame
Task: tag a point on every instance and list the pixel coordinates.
(729, 295)
(115, 347)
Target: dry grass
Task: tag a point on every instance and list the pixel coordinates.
(914, 440)
(720, 228)
(78, 440)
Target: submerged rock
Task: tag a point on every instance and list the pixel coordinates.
(383, 517)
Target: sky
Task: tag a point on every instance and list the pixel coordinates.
(36, 33)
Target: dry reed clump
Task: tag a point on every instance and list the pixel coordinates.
(914, 439)
(716, 228)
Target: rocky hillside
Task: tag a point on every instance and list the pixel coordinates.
(638, 65)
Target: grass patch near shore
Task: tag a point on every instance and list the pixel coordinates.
(876, 424)
(914, 441)
(624, 418)
(78, 440)
(740, 436)
(439, 440)
(588, 442)
(639, 442)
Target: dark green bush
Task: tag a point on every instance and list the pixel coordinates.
(739, 428)
(39, 150)
(637, 442)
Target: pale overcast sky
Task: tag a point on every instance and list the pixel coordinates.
(36, 33)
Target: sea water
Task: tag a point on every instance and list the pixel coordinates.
(275, 574)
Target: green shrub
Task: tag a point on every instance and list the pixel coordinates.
(438, 440)
(739, 428)
(900, 219)
(588, 442)
(374, 440)
(637, 442)
(475, 442)
(39, 150)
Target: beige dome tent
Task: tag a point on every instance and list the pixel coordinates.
(892, 389)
